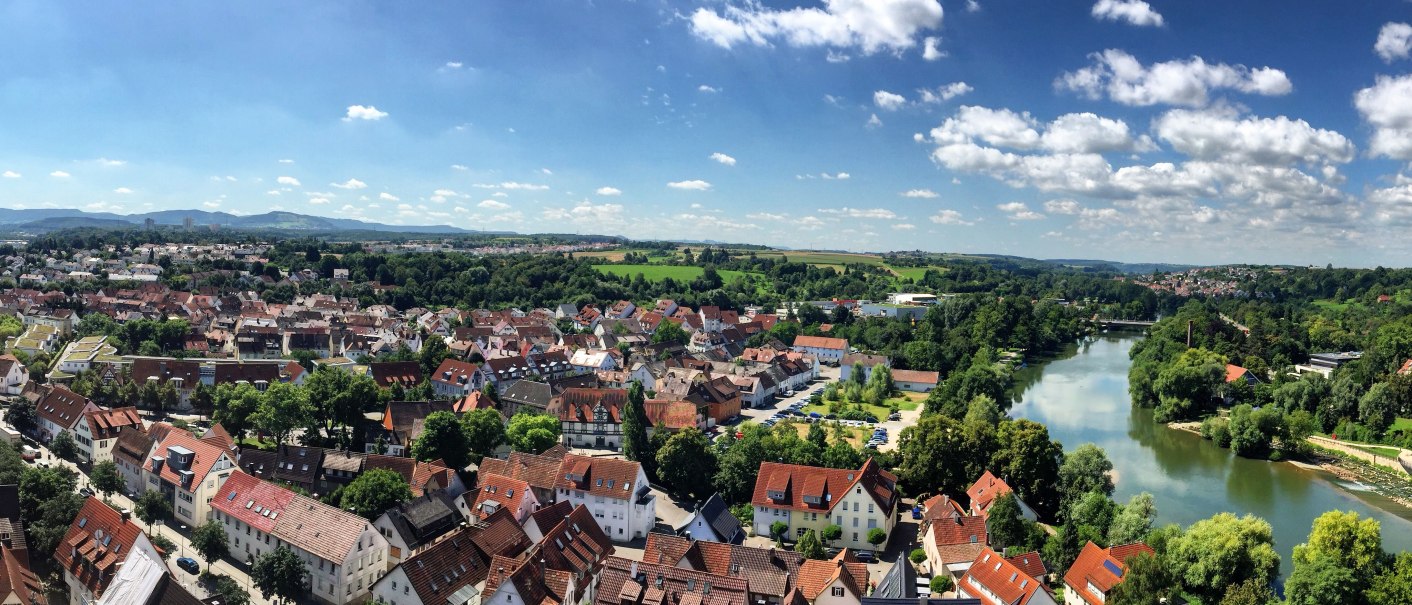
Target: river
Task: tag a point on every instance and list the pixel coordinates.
(1082, 396)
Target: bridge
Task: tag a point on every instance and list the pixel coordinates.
(1123, 323)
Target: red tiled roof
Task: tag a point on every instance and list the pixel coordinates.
(816, 575)
(540, 471)
(1002, 578)
(828, 485)
(498, 491)
(576, 545)
(251, 501)
(820, 342)
(984, 491)
(670, 414)
(578, 404)
(205, 455)
(960, 530)
(608, 477)
(1030, 563)
(108, 424)
(97, 540)
(17, 579)
(317, 528)
(919, 376)
(1095, 565)
(1234, 372)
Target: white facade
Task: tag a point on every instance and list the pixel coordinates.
(192, 506)
(336, 582)
(622, 519)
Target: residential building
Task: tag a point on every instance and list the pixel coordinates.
(413, 525)
(96, 434)
(59, 410)
(401, 424)
(539, 471)
(35, 339)
(13, 375)
(836, 582)
(526, 394)
(144, 579)
(772, 573)
(130, 451)
(455, 378)
(827, 350)
(452, 571)
(952, 543)
(915, 381)
(995, 581)
(18, 584)
(590, 418)
(288, 464)
(628, 582)
(588, 361)
(615, 491)
(811, 498)
(861, 360)
(519, 581)
(97, 543)
(189, 471)
(497, 492)
(985, 490)
(387, 374)
(80, 355)
(342, 551)
(577, 546)
(1097, 570)
(712, 521)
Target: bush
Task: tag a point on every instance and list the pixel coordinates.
(1217, 429)
(876, 536)
(942, 583)
(778, 529)
(745, 512)
(917, 556)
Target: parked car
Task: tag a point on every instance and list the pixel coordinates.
(916, 511)
(894, 416)
(865, 556)
(85, 492)
(29, 453)
(815, 415)
(188, 565)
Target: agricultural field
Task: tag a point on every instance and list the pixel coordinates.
(660, 272)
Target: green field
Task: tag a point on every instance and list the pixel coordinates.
(915, 273)
(661, 272)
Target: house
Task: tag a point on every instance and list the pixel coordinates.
(80, 355)
(144, 579)
(13, 375)
(61, 320)
(528, 395)
(59, 410)
(414, 525)
(189, 471)
(497, 492)
(452, 570)
(94, 548)
(1097, 570)
(455, 378)
(539, 471)
(401, 424)
(575, 544)
(827, 350)
(811, 498)
(1030, 563)
(96, 434)
(588, 361)
(343, 553)
(420, 476)
(835, 582)
(953, 542)
(288, 464)
(712, 521)
(616, 491)
(628, 582)
(995, 581)
(130, 451)
(34, 340)
(185, 376)
(519, 581)
(989, 487)
(387, 374)
(1235, 372)
(863, 361)
(915, 381)
(771, 574)
(18, 584)
(590, 418)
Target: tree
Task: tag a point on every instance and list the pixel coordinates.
(63, 447)
(105, 478)
(809, 546)
(687, 463)
(1221, 551)
(532, 432)
(1062, 548)
(636, 446)
(934, 438)
(670, 332)
(1337, 540)
(234, 406)
(152, 506)
(1085, 470)
(374, 492)
(1377, 408)
(876, 536)
(22, 416)
(880, 380)
(831, 533)
(1394, 584)
(1189, 384)
(1029, 461)
(485, 431)
(917, 556)
(1090, 517)
(209, 539)
(434, 351)
(1146, 582)
(1133, 520)
(443, 437)
(229, 591)
(339, 397)
(1323, 579)
(280, 573)
(941, 584)
(1007, 527)
(778, 529)
(50, 501)
(1252, 592)
(166, 545)
(283, 408)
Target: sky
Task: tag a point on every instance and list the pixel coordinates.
(1188, 131)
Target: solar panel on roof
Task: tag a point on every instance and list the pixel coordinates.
(1113, 567)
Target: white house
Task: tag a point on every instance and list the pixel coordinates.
(588, 361)
(827, 350)
(93, 550)
(99, 430)
(812, 498)
(189, 471)
(59, 410)
(13, 375)
(615, 491)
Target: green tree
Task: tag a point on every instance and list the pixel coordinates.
(917, 556)
(880, 380)
(670, 332)
(234, 405)
(1323, 579)
(1190, 384)
(50, 501)
(63, 447)
(1377, 408)
(778, 529)
(1337, 540)
(1146, 582)
(941, 584)
(152, 506)
(1250, 592)
(22, 416)
(283, 408)
(687, 463)
(1221, 551)
(165, 544)
(809, 546)
(532, 432)
(434, 351)
(1085, 470)
(1029, 461)
(876, 536)
(1090, 517)
(1133, 521)
(280, 574)
(1394, 584)
(934, 437)
(1007, 526)
(374, 492)
(340, 398)
(444, 438)
(229, 591)
(105, 478)
(485, 431)
(209, 539)
(831, 533)
(636, 446)
(1062, 548)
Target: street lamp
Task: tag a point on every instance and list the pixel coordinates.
(183, 543)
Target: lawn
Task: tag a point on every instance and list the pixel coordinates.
(880, 412)
(1386, 452)
(907, 401)
(915, 273)
(823, 258)
(660, 272)
(852, 434)
(1401, 424)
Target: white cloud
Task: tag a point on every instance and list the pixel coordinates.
(833, 56)
(867, 25)
(453, 65)
(810, 223)
(286, 161)
(707, 88)
(1019, 211)
(1086, 133)
(59, 174)
(10, 174)
(513, 185)
(588, 213)
(111, 163)
(1387, 106)
(1062, 206)
(361, 112)
(1135, 12)
(766, 216)
(318, 201)
(948, 217)
(273, 192)
(723, 158)
(1394, 41)
(711, 222)
(877, 213)
(288, 180)
(211, 204)
(691, 185)
(873, 121)
(1212, 135)
(493, 205)
(888, 101)
(972, 6)
(919, 193)
(122, 190)
(904, 226)
(385, 196)
(546, 172)
(606, 191)
(350, 184)
(945, 92)
(460, 167)
(837, 176)
(1125, 80)
(999, 127)
(931, 50)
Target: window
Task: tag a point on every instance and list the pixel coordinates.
(837, 591)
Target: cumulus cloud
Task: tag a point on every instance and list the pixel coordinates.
(888, 101)
(493, 205)
(949, 217)
(877, 213)
(318, 201)
(111, 163)
(1394, 42)
(1189, 83)
(1018, 211)
(711, 221)
(1062, 206)
(866, 25)
(286, 161)
(766, 216)
(350, 184)
(1387, 107)
(945, 92)
(385, 196)
(931, 49)
(837, 176)
(873, 121)
(10, 174)
(122, 191)
(515, 185)
(588, 213)
(362, 112)
(1135, 12)
(691, 185)
(904, 226)
(707, 89)
(59, 174)
(1216, 135)
(288, 180)
(723, 158)
(919, 193)
(607, 191)
(460, 167)
(810, 223)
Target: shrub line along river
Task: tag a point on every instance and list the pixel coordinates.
(1081, 394)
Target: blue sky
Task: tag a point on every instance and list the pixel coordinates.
(1184, 131)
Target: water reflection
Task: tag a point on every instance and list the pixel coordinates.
(1082, 395)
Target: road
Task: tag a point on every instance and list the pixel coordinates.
(827, 375)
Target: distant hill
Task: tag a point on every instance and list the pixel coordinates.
(50, 219)
(1123, 267)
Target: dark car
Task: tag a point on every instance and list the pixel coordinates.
(864, 556)
(870, 418)
(188, 565)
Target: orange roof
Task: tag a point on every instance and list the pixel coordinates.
(816, 575)
(97, 540)
(1234, 372)
(809, 488)
(985, 491)
(820, 342)
(498, 491)
(1002, 579)
(1101, 567)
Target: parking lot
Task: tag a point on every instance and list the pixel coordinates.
(801, 398)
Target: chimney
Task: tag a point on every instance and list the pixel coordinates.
(125, 514)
